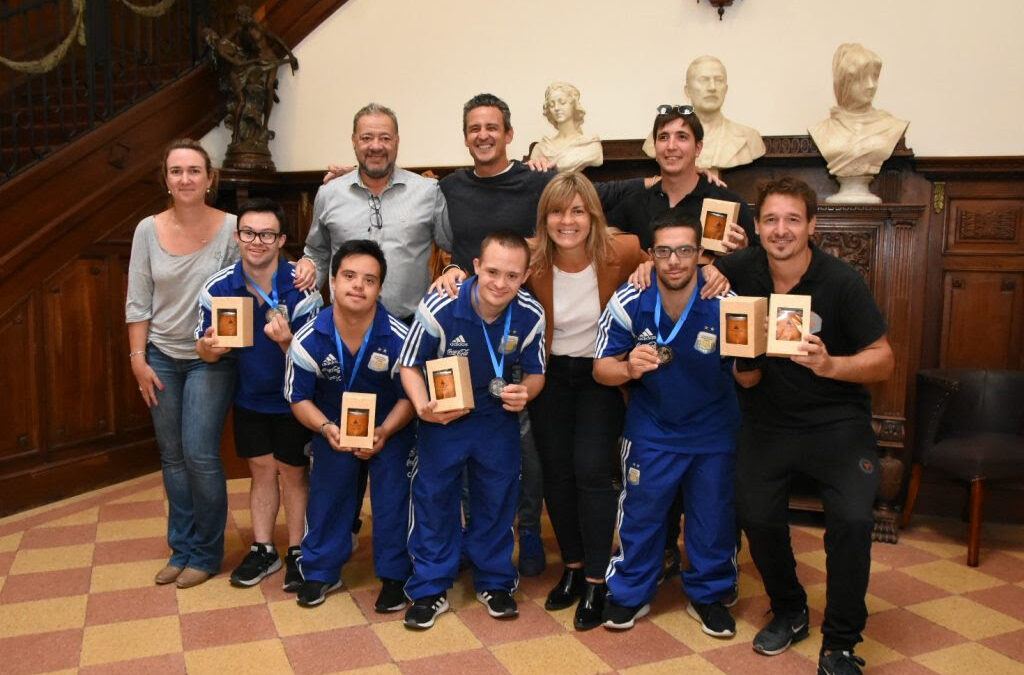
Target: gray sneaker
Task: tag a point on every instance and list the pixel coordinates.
(784, 630)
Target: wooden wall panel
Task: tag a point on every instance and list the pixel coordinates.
(983, 320)
(79, 392)
(19, 414)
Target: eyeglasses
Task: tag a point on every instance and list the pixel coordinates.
(267, 237)
(682, 252)
(375, 219)
(665, 109)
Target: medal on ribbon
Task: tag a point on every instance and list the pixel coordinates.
(498, 384)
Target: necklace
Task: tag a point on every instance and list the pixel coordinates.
(181, 228)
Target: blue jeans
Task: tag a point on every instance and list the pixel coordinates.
(188, 420)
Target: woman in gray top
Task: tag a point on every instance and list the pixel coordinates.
(173, 253)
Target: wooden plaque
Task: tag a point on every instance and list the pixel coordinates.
(789, 320)
(449, 384)
(741, 321)
(232, 321)
(714, 216)
(358, 412)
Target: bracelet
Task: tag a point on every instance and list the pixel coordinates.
(450, 266)
(132, 355)
(324, 425)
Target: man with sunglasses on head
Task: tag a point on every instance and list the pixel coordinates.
(402, 211)
(679, 436)
(678, 141)
(267, 435)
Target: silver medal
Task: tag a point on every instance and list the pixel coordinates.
(496, 386)
(664, 354)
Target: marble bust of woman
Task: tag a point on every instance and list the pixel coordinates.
(856, 138)
(569, 149)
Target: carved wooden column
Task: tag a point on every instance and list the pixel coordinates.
(879, 241)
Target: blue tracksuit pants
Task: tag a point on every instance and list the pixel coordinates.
(334, 502)
(651, 480)
(488, 449)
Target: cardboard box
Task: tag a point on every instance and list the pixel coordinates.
(232, 321)
(358, 412)
(449, 384)
(742, 330)
(789, 320)
(714, 216)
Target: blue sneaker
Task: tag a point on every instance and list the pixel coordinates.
(531, 554)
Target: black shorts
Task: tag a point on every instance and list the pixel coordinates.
(258, 434)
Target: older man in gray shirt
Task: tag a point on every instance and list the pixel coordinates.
(401, 211)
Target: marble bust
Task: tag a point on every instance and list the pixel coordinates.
(726, 143)
(856, 138)
(569, 149)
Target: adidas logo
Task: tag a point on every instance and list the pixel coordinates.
(646, 335)
(329, 360)
(459, 341)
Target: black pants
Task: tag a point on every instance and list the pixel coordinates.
(844, 461)
(577, 423)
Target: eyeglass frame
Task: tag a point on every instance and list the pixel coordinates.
(684, 252)
(262, 236)
(376, 220)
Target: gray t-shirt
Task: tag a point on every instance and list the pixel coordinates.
(164, 289)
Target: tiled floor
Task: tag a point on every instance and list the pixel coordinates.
(76, 595)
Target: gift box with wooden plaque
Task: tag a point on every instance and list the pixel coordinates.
(715, 215)
(789, 320)
(449, 383)
(358, 412)
(741, 329)
(232, 321)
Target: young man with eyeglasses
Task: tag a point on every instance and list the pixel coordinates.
(398, 209)
(267, 435)
(678, 141)
(679, 436)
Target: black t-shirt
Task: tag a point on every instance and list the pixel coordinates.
(635, 213)
(790, 395)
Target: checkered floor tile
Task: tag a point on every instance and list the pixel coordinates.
(76, 596)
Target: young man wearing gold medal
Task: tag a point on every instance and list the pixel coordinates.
(266, 433)
(679, 436)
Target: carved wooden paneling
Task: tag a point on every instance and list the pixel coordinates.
(976, 226)
(983, 320)
(19, 365)
(855, 247)
(79, 393)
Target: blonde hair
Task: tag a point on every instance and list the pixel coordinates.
(558, 194)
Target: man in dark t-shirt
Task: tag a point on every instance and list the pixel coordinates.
(678, 140)
(809, 414)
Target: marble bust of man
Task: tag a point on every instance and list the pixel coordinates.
(726, 143)
(856, 138)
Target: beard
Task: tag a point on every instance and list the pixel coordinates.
(677, 285)
(376, 173)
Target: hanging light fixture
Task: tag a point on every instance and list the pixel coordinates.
(721, 5)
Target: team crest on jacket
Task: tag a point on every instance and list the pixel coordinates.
(510, 344)
(633, 475)
(706, 342)
(378, 361)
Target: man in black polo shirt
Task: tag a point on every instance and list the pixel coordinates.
(809, 414)
(678, 139)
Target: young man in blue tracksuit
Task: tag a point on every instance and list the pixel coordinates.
(680, 432)
(500, 329)
(267, 435)
(353, 346)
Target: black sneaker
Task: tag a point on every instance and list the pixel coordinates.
(423, 612)
(262, 561)
(714, 618)
(392, 596)
(621, 617)
(313, 593)
(838, 662)
(732, 597)
(784, 630)
(500, 603)
(292, 571)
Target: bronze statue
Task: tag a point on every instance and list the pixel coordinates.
(253, 54)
